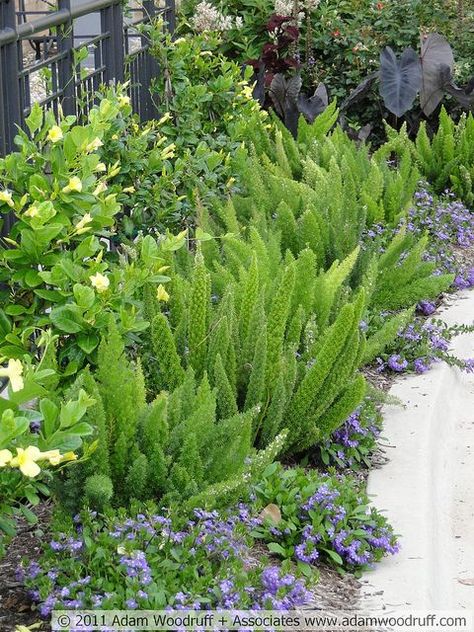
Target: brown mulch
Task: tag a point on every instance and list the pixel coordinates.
(15, 606)
(335, 592)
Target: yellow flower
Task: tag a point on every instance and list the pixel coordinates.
(168, 152)
(94, 144)
(123, 101)
(55, 134)
(100, 188)
(162, 294)
(114, 170)
(32, 211)
(68, 456)
(14, 372)
(114, 137)
(81, 226)
(74, 185)
(166, 117)
(5, 457)
(247, 92)
(128, 190)
(100, 282)
(26, 459)
(100, 167)
(6, 196)
(53, 456)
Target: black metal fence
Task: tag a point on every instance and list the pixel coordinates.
(62, 56)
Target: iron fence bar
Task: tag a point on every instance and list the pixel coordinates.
(11, 64)
(66, 70)
(112, 59)
(42, 64)
(170, 8)
(50, 20)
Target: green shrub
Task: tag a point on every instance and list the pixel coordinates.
(55, 269)
(170, 449)
(251, 336)
(447, 159)
(32, 438)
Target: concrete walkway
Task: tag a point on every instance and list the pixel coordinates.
(427, 488)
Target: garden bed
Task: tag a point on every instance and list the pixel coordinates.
(202, 318)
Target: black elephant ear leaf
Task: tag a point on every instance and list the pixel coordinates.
(322, 93)
(293, 88)
(284, 94)
(278, 93)
(359, 92)
(364, 133)
(469, 87)
(400, 79)
(259, 89)
(315, 105)
(464, 96)
(435, 54)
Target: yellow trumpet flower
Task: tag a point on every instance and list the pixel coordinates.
(6, 196)
(162, 294)
(55, 134)
(74, 185)
(25, 461)
(14, 372)
(5, 457)
(100, 282)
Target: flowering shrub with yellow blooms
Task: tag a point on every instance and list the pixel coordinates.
(57, 266)
(32, 440)
(183, 159)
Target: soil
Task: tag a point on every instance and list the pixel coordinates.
(15, 606)
(335, 592)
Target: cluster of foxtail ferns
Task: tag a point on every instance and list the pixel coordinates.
(172, 447)
(267, 333)
(269, 312)
(261, 341)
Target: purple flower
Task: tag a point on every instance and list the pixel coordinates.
(226, 586)
(438, 342)
(469, 365)
(33, 570)
(397, 363)
(35, 426)
(426, 307)
(306, 552)
(461, 283)
(422, 365)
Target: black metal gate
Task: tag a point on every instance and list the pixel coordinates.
(114, 52)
